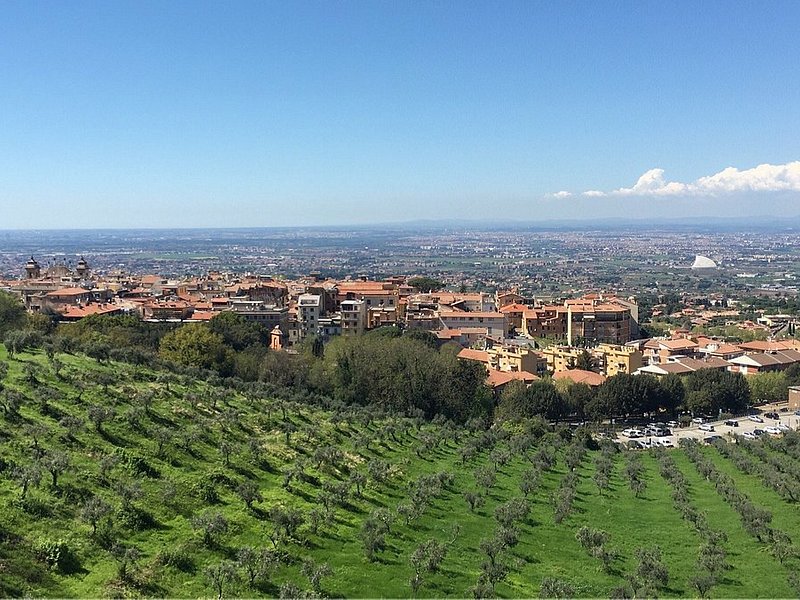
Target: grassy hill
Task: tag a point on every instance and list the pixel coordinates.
(122, 480)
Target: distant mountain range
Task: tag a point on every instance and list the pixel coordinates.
(609, 223)
(716, 224)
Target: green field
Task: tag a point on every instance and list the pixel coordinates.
(172, 448)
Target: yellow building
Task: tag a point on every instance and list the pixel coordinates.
(516, 359)
(618, 359)
(609, 359)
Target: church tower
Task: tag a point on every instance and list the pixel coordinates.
(32, 269)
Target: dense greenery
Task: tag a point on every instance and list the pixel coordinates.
(393, 370)
(119, 479)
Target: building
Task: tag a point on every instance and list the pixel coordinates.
(683, 366)
(495, 323)
(748, 364)
(354, 316)
(614, 359)
(463, 336)
(794, 397)
(594, 319)
(268, 315)
(308, 315)
(589, 378)
(609, 359)
(658, 351)
(514, 313)
(545, 321)
(516, 359)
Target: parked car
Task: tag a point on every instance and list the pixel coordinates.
(674, 424)
(749, 435)
(666, 443)
(698, 420)
(758, 432)
(772, 415)
(797, 413)
(772, 430)
(784, 427)
(636, 444)
(633, 433)
(732, 423)
(756, 418)
(662, 432)
(711, 439)
(706, 427)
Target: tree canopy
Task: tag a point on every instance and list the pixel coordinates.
(12, 313)
(711, 390)
(197, 346)
(425, 284)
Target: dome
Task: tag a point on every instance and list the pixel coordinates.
(703, 262)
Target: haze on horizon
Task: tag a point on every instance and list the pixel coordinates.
(203, 114)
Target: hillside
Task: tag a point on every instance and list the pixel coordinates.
(123, 480)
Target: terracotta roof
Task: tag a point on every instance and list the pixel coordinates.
(203, 315)
(79, 312)
(678, 344)
(450, 314)
(73, 291)
(514, 308)
(470, 354)
(767, 346)
(580, 376)
(727, 349)
(447, 334)
(496, 378)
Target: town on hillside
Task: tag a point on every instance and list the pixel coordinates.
(585, 339)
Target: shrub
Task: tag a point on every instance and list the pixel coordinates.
(177, 558)
(57, 555)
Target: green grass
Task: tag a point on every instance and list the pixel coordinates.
(545, 549)
(755, 572)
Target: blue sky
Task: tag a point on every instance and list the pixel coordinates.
(150, 114)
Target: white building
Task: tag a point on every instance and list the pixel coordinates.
(354, 316)
(309, 308)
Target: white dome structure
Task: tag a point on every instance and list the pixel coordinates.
(703, 262)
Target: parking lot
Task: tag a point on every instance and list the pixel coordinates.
(745, 424)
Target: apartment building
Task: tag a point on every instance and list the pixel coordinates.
(609, 359)
(268, 315)
(354, 316)
(614, 359)
(495, 323)
(516, 358)
(309, 312)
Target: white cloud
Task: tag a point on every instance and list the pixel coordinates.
(763, 178)
(562, 194)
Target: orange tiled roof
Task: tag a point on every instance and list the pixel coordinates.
(580, 376)
(497, 378)
(514, 308)
(203, 315)
(470, 354)
(79, 312)
(73, 291)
